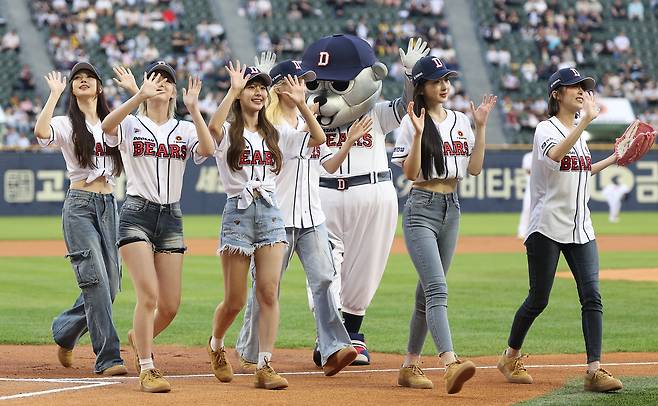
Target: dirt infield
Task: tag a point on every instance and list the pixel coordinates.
(633, 274)
(189, 372)
(466, 244)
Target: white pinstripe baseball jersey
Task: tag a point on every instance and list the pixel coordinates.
(154, 156)
(457, 140)
(61, 136)
(559, 191)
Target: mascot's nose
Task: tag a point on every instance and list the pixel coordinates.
(321, 100)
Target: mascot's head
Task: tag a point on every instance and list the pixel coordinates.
(349, 78)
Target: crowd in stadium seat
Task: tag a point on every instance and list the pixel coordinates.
(528, 40)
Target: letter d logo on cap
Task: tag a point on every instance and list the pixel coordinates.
(323, 60)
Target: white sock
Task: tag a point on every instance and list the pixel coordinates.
(146, 364)
(262, 356)
(593, 366)
(216, 343)
(511, 353)
(447, 358)
(411, 359)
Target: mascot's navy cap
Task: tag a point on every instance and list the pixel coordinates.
(430, 68)
(569, 76)
(338, 57)
(163, 67)
(293, 68)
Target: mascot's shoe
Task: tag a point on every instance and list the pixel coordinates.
(339, 360)
(219, 364)
(513, 369)
(115, 370)
(359, 344)
(65, 356)
(267, 378)
(414, 377)
(317, 356)
(457, 374)
(151, 380)
(602, 381)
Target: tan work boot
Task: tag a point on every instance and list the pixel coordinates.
(131, 341)
(65, 356)
(414, 377)
(247, 366)
(267, 378)
(602, 381)
(219, 364)
(457, 374)
(339, 360)
(151, 380)
(513, 369)
(115, 370)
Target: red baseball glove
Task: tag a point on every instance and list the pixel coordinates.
(634, 142)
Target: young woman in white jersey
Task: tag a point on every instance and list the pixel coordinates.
(560, 223)
(436, 148)
(298, 191)
(89, 215)
(155, 148)
(250, 152)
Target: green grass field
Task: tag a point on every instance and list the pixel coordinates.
(483, 224)
(485, 290)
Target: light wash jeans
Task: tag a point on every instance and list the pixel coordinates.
(312, 247)
(90, 232)
(431, 224)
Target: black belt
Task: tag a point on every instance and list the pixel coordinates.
(348, 182)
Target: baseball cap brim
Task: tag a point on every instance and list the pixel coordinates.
(263, 76)
(308, 76)
(446, 74)
(80, 66)
(336, 73)
(166, 69)
(588, 83)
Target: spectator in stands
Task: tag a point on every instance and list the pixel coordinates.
(511, 82)
(636, 10)
(618, 10)
(529, 70)
(25, 79)
(622, 44)
(10, 42)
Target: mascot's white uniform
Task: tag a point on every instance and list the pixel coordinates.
(359, 199)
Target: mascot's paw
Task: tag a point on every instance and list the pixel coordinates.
(416, 49)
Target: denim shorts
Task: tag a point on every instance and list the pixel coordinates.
(244, 231)
(161, 225)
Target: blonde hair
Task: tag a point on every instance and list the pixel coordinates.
(142, 110)
(274, 113)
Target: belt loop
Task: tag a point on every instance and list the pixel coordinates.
(373, 177)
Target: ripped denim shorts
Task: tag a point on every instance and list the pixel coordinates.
(244, 231)
(160, 225)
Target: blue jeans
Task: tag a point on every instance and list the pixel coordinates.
(312, 247)
(583, 260)
(90, 232)
(431, 224)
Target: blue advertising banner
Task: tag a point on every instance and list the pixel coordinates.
(35, 182)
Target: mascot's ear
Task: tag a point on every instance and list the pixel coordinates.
(379, 70)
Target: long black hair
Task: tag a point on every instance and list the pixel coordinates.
(83, 140)
(431, 147)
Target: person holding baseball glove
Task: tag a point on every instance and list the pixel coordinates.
(560, 182)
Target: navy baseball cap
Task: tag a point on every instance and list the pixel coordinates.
(164, 67)
(430, 68)
(338, 57)
(569, 76)
(252, 73)
(293, 68)
(84, 66)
